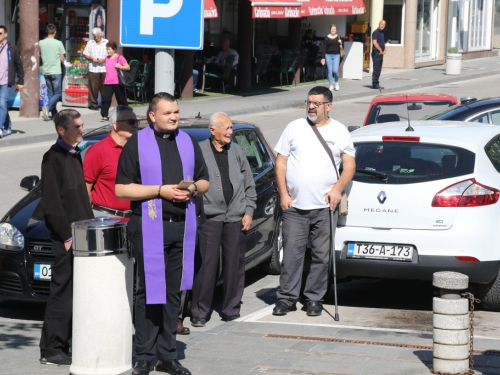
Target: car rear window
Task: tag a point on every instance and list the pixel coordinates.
(400, 163)
(493, 151)
(399, 111)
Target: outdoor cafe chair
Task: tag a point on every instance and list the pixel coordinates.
(226, 74)
(142, 83)
(134, 70)
(284, 68)
(257, 69)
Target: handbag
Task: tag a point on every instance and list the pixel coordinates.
(342, 52)
(124, 76)
(343, 205)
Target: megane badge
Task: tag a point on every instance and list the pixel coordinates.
(381, 197)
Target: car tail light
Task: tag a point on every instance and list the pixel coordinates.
(467, 193)
(399, 138)
(467, 259)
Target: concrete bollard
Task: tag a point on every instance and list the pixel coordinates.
(451, 334)
(102, 303)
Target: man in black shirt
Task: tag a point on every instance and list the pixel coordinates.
(378, 52)
(162, 228)
(229, 206)
(64, 201)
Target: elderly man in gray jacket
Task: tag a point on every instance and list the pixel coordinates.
(229, 206)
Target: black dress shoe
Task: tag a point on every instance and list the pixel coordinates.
(376, 87)
(228, 318)
(281, 308)
(181, 330)
(198, 322)
(172, 367)
(141, 368)
(314, 308)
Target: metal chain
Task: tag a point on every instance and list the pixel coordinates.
(471, 299)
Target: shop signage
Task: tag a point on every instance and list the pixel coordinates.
(71, 2)
(176, 24)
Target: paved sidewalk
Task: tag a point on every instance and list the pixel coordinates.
(260, 343)
(394, 80)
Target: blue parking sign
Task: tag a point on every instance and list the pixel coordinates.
(176, 24)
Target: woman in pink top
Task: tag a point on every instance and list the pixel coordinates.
(111, 82)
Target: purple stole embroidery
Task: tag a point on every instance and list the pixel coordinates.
(152, 221)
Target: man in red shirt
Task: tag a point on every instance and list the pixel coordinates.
(101, 163)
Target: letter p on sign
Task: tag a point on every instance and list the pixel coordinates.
(150, 11)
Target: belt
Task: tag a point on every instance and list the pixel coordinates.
(174, 219)
(121, 213)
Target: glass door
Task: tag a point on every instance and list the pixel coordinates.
(426, 35)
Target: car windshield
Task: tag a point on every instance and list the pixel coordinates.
(410, 162)
(444, 114)
(399, 111)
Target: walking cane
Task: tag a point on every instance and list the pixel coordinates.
(332, 255)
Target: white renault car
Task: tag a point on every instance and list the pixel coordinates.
(424, 201)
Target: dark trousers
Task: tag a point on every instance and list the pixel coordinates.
(377, 59)
(156, 325)
(57, 323)
(298, 226)
(211, 236)
(96, 85)
(109, 90)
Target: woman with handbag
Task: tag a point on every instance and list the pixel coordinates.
(115, 65)
(332, 46)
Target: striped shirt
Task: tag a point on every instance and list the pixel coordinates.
(98, 51)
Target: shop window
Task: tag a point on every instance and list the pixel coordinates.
(394, 16)
(469, 25)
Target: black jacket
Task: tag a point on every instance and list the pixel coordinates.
(15, 65)
(64, 192)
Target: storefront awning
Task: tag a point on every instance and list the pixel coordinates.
(210, 9)
(306, 8)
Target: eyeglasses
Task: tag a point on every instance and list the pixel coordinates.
(315, 104)
(129, 121)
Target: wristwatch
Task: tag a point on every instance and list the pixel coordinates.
(195, 190)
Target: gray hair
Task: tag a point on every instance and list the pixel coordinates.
(214, 119)
(116, 112)
(96, 31)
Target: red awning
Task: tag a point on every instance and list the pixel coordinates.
(306, 8)
(210, 9)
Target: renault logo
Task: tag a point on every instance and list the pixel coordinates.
(381, 197)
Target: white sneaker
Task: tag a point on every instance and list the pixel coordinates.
(45, 113)
(331, 88)
(337, 87)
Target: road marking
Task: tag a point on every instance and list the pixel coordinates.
(24, 147)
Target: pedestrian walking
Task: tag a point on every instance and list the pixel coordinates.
(308, 189)
(53, 55)
(331, 55)
(378, 52)
(10, 65)
(101, 164)
(64, 201)
(162, 228)
(114, 62)
(96, 51)
(229, 205)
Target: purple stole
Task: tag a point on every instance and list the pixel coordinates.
(152, 221)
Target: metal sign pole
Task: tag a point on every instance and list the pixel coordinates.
(164, 71)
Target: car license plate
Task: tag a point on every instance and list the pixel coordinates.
(42, 271)
(361, 250)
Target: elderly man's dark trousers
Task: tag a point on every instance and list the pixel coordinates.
(212, 235)
(57, 323)
(156, 325)
(377, 60)
(96, 86)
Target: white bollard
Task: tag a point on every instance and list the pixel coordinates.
(102, 298)
(451, 335)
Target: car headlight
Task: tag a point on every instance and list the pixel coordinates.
(10, 237)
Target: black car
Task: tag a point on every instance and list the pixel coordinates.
(485, 111)
(25, 250)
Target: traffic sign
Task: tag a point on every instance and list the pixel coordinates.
(176, 24)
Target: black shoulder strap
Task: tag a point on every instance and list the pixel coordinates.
(323, 143)
(5, 45)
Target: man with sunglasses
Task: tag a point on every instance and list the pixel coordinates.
(101, 164)
(309, 188)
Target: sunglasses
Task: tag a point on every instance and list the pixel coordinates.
(129, 121)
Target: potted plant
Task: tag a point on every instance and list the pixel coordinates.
(453, 61)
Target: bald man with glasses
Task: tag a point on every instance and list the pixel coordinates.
(309, 189)
(101, 164)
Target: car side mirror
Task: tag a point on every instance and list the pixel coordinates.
(352, 128)
(28, 183)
